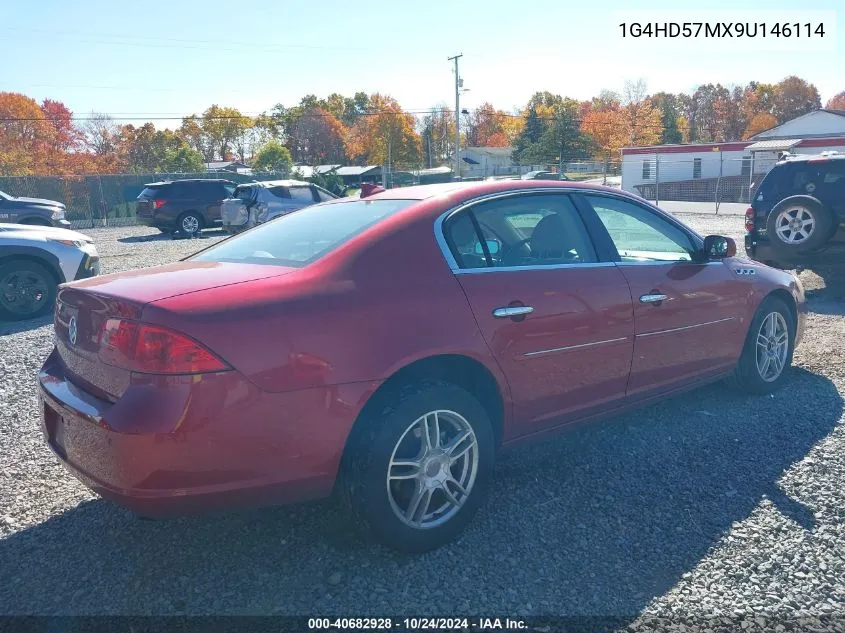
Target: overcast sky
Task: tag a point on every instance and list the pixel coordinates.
(178, 57)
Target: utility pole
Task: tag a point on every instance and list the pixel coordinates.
(457, 114)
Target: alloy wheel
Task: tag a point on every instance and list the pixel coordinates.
(795, 225)
(772, 346)
(23, 292)
(190, 224)
(432, 469)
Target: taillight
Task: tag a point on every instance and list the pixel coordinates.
(152, 349)
(157, 204)
(749, 219)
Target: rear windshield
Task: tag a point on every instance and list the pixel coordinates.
(299, 238)
(149, 192)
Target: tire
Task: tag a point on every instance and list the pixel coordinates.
(799, 224)
(27, 290)
(375, 503)
(756, 377)
(190, 224)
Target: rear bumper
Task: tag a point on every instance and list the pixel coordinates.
(172, 446)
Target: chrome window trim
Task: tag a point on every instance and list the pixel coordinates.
(686, 327)
(570, 347)
(495, 269)
(674, 263)
(440, 237)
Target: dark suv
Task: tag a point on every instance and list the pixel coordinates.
(797, 217)
(183, 206)
(37, 211)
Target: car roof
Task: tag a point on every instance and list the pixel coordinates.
(816, 158)
(276, 183)
(476, 188)
(173, 182)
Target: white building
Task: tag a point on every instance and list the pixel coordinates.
(486, 161)
(694, 171)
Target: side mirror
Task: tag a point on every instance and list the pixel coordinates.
(718, 247)
(492, 247)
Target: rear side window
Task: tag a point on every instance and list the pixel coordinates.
(300, 238)
(302, 194)
(280, 192)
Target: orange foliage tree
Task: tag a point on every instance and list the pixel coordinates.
(385, 129)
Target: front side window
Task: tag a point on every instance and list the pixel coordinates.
(641, 235)
(521, 230)
(245, 194)
(297, 239)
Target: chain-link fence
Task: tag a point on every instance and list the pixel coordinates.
(709, 182)
(104, 199)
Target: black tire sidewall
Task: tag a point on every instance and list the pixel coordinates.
(7, 315)
(749, 375)
(823, 218)
(368, 469)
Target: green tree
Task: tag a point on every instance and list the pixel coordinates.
(669, 108)
(273, 156)
(183, 160)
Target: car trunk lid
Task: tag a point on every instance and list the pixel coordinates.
(82, 308)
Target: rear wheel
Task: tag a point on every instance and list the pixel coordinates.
(768, 349)
(190, 223)
(798, 224)
(417, 472)
(27, 290)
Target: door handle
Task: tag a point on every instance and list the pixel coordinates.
(512, 311)
(652, 298)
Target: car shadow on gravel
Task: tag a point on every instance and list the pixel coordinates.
(168, 237)
(15, 327)
(829, 299)
(595, 522)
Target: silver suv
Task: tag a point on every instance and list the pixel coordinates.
(257, 202)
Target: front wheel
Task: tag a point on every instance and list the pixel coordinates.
(768, 349)
(27, 290)
(417, 472)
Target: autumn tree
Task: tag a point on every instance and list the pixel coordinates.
(183, 160)
(793, 97)
(552, 131)
(837, 102)
(223, 128)
(101, 134)
(437, 134)
(759, 123)
(322, 137)
(484, 127)
(669, 108)
(192, 132)
(642, 119)
(25, 135)
(387, 132)
(606, 126)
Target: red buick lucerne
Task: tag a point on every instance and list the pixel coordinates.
(385, 348)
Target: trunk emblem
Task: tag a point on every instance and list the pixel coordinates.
(72, 330)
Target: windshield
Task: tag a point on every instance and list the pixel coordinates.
(300, 238)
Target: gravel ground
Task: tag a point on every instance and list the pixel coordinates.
(712, 504)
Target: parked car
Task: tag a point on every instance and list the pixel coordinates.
(387, 347)
(544, 175)
(257, 202)
(183, 206)
(34, 211)
(797, 216)
(34, 260)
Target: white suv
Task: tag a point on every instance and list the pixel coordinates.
(34, 260)
(258, 202)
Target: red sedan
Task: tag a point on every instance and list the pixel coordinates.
(387, 347)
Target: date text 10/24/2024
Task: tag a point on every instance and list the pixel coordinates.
(417, 624)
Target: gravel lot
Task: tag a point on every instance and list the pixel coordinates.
(710, 504)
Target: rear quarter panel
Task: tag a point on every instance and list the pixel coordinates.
(358, 317)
